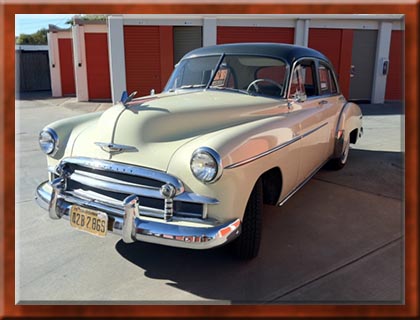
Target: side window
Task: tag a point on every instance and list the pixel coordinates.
(326, 80)
(303, 79)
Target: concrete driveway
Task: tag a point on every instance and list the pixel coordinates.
(338, 240)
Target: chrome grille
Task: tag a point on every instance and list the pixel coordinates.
(109, 183)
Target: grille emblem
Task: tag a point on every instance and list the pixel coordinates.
(113, 148)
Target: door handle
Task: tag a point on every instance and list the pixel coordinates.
(322, 102)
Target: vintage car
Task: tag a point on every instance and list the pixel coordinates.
(237, 126)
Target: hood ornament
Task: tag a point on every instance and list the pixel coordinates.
(125, 98)
(113, 148)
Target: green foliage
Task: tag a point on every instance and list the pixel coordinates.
(37, 38)
(100, 17)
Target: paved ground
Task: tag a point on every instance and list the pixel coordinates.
(338, 240)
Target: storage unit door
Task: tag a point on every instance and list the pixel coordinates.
(336, 45)
(363, 63)
(142, 59)
(65, 52)
(394, 81)
(254, 34)
(185, 40)
(97, 66)
(34, 70)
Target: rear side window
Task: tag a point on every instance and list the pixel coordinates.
(326, 80)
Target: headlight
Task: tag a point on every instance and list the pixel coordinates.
(206, 165)
(48, 141)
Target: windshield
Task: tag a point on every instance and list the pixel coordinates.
(243, 73)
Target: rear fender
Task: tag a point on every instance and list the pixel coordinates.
(350, 118)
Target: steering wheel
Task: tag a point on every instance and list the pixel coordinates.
(257, 89)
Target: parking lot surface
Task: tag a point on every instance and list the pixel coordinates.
(338, 240)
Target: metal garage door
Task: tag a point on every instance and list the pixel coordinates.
(185, 40)
(97, 65)
(336, 44)
(394, 81)
(142, 59)
(65, 51)
(363, 62)
(32, 70)
(254, 34)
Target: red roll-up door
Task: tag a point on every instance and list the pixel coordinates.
(65, 52)
(254, 34)
(142, 59)
(336, 45)
(97, 65)
(394, 81)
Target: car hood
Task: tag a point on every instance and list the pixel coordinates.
(151, 129)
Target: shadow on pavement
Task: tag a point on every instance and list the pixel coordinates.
(389, 108)
(336, 219)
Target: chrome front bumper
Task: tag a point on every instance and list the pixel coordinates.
(131, 226)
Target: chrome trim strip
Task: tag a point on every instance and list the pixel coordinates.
(281, 146)
(301, 184)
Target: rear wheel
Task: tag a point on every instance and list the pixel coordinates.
(339, 162)
(247, 245)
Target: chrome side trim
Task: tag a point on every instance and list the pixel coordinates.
(301, 184)
(281, 146)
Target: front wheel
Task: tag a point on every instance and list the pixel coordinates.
(247, 245)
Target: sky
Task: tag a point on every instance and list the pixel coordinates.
(30, 23)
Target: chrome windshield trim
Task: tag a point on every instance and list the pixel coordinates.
(281, 146)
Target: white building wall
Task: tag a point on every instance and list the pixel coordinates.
(382, 55)
(116, 57)
(54, 64)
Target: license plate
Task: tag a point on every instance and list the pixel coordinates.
(87, 220)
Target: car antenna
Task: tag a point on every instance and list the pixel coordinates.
(125, 98)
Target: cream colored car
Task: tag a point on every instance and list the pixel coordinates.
(236, 126)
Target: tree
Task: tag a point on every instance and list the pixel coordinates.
(100, 17)
(37, 38)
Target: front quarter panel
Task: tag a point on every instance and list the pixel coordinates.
(234, 145)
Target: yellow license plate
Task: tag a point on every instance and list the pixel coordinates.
(91, 221)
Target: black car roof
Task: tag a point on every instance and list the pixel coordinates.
(288, 52)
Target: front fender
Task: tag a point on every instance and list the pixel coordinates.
(67, 129)
(234, 145)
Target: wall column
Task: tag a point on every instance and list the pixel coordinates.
(209, 31)
(382, 53)
(302, 32)
(80, 70)
(116, 56)
(54, 64)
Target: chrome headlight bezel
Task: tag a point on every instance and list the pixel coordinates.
(48, 136)
(212, 156)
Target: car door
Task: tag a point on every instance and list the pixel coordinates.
(331, 101)
(314, 125)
